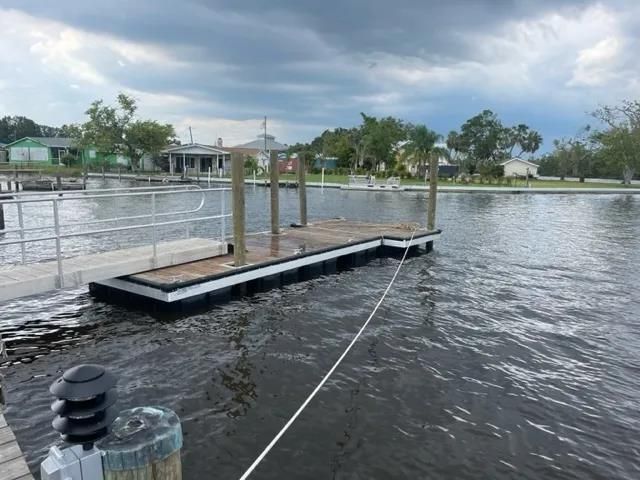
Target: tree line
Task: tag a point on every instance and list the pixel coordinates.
(109, 129)
(14, 128)
(611, 151)
(391, 144)
(480, 145)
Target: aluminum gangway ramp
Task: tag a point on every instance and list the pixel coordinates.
(59, 219)
(23, 280)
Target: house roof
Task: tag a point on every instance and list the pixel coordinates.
(60, 142)
(258, 144)
(195, 148)
(516, 159)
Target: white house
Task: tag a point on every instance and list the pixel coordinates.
(520, 168)
(195, 158)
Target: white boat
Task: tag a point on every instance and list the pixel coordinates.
(368, 182)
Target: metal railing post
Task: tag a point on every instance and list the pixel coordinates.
(153, 229)
(223, 225)
(56, 223)
(21, 224)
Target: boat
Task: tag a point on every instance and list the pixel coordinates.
(368, 182)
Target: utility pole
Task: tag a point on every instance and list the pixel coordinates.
(191, 134)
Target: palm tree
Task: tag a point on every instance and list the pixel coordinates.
(421, 143)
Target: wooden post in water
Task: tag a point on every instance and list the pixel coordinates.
(144, 444)
(275, 195)
(237, 190)
(433, 193)
(1, 211)
(302, 189)
(58, 184)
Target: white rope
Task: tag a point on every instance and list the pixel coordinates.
(329, 373)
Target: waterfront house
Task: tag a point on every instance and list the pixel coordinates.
(57, 151)
(256, 149)
(196, 159)
(517, 167)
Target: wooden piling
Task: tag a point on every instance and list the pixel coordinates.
(144, 444)
(237, 188)
(275, 195)
(433, 192)
(58, 182)
(1, 210)
(302, 189)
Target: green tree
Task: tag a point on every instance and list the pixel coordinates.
(420, 145)
(522, 136)
(380, 139)
(14, 128)
(115, 130)
(619, 142)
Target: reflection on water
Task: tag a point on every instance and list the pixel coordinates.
(509, 352)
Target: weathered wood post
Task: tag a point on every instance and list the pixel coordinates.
(144, 444)
(275, 193)
(302, 189)
(433, 193)
(59, 184)
(237, 190)
(1, 214)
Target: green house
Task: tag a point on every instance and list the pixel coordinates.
(56, 151)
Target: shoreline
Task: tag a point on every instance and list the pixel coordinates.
(407, 188)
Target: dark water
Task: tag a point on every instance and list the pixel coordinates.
(511, 351)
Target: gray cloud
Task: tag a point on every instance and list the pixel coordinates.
(314, 64)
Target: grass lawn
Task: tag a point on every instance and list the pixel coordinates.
(343, 179)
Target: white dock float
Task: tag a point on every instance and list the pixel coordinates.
(22, 280)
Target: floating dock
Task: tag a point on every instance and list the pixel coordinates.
(297, 253)
(12, 463)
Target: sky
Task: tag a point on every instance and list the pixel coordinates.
(219, 67)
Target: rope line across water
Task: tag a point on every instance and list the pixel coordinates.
(268, 448)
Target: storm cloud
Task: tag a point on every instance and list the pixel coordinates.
(221, 66)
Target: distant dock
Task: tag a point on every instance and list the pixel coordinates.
(295, 254)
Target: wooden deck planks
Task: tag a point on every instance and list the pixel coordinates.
(263, 247)
(12, 463)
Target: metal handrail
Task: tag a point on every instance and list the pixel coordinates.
(163, 191)
(108, 190)
(58, 235)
